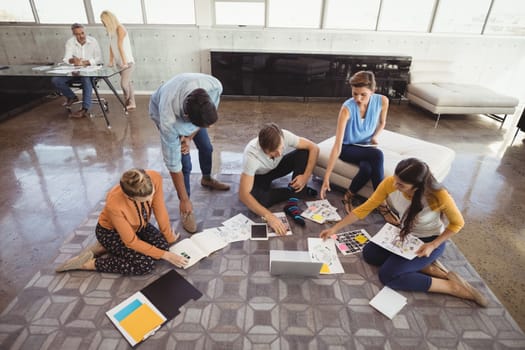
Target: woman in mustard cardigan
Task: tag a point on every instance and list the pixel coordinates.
(126, 241)
(422, 204)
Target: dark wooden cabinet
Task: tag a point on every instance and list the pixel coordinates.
(305, 74)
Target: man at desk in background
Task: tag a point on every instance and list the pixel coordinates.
(81, 50)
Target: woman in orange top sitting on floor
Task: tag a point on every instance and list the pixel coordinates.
(124, 232)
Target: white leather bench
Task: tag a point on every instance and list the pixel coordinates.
(395, 147)
(437, 92)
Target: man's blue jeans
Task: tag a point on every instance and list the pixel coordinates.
(203, 143)
(62, 84)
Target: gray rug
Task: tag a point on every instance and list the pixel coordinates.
(244, 307)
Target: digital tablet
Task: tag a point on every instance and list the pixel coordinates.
(259, 232)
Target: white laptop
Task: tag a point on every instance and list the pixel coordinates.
(293, 262)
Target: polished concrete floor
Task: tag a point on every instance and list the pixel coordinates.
(55, 170)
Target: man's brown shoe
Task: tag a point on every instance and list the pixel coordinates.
(188, 222)
(213, 184)
(79, 114)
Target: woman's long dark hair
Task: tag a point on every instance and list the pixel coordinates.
(416, 173)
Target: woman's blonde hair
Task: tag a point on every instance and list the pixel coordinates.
(136, 183)
(110, 21)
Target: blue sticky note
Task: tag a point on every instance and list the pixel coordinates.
(127, 310)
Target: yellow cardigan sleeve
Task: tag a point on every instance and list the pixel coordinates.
(446, 204)
(379, 196)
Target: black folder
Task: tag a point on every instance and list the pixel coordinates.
(169, 292)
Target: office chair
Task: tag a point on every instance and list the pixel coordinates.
(77, 84)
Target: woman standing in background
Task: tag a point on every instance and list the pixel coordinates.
(120, 53)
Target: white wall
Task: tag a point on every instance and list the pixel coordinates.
(162, 51)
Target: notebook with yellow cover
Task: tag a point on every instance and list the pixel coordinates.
(143, 313)
(136, 318)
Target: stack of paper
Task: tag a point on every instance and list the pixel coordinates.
(388, 302)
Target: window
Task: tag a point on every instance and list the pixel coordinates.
(406, 15)
(173, 12)
(239, 13)
(294, 13)
(127, 11)
(351, 14)
(460, 16)
(61, 11)
(16, 11)
(507, 17)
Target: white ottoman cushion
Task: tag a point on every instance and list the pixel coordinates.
(460, 95)
(395, 147)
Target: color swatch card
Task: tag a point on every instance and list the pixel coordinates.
(351, 242)
(136, 318)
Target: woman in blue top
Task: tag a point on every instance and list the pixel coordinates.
(361, 120)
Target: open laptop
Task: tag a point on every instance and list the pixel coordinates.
(293, 262)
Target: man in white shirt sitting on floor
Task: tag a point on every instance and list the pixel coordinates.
(269, 157)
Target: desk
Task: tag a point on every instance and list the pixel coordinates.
(94, 73)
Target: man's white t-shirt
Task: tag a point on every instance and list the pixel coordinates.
(256, 162)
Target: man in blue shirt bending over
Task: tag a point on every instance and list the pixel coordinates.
(182, 108)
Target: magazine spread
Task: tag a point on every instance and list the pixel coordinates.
(388, 238)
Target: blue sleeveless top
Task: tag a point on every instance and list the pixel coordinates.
(360, 130)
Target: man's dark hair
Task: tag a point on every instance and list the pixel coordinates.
(76, 25)
(270, 137)
(200, 108)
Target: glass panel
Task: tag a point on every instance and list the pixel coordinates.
(351, 14)
(127, 11)
(460, 16)
(61, 11)
(294, 13)
(15, 11)
(406, 15)
(172, 12)
(507, 17)
(239, 13)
